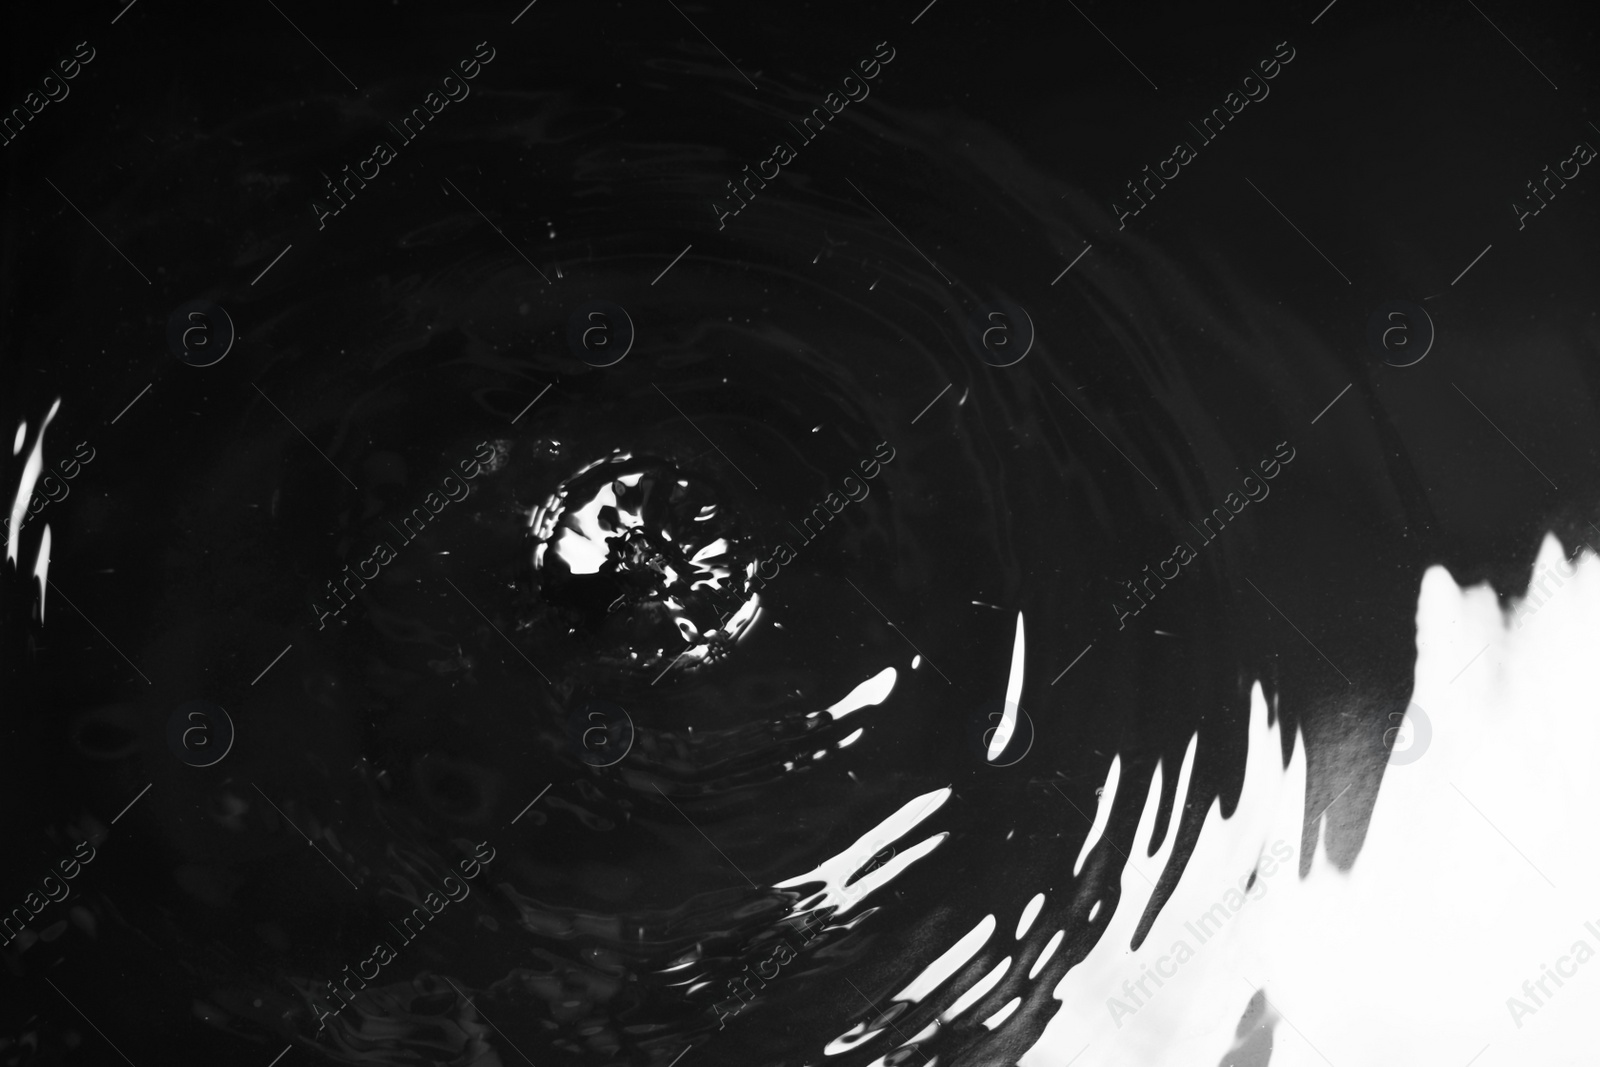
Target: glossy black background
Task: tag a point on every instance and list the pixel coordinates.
(1197, 339)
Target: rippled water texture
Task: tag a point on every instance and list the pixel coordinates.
(706, 696)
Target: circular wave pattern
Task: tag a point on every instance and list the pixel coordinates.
(722, 533)
(711, 671)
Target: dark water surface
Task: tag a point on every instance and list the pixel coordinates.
(806, 472)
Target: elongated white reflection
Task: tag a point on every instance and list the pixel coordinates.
(1008, 720)
(949, 962)
(30, 475)
(1102, 813)
(874, 690)
(1029, 913)
(834, 873)
(932, 977)
(41, 569)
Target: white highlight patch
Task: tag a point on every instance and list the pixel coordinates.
(41, 569)
(874, 690)
(1102, 812)
(1029, 913)
(30, 475)
(834, 872)
(977, 992)
(582, 541)
(932, 976)
(1003, 1014)
(949, 962)
(1049, 950)
(1476, 871)
(1008, 721)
